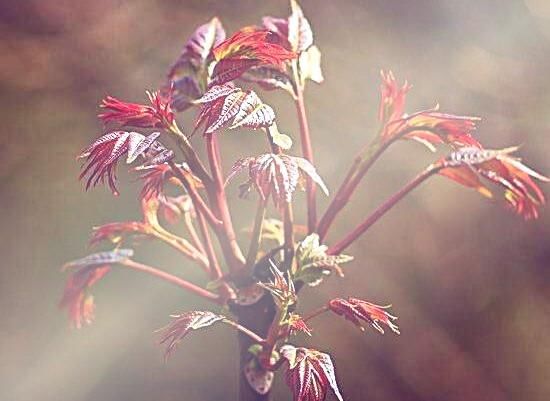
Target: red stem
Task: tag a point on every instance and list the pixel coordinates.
(195, 197)
(378, 213)
(356, 173)
(245, 330)
(230, 248)
(186, 285)
(215, 270)
(315, 313)
(307, 152)
(188, 220)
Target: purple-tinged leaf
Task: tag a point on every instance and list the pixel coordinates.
(185, 91)
(310, 373)
(278, 26)
(217, 91)
(183, 324)
(253, 113)
(300, 35)
(136, 148)
(205, 38)
(229, 110)
(238, 166)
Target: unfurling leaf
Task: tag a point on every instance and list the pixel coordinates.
(300, 35)
(310, 65)
(358, 311)
(313, 263)
(278, 138)
(310, 373)
(205, 38)
(198, 49)
(183, 324)
(281, 287)
(184, 92)
(311, 172)
(469, 164)
(296, 324)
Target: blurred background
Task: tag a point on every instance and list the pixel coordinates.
(468, 279)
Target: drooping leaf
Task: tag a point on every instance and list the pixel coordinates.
(310, 373)
(185, 323)
(310, 171)
(238, 166)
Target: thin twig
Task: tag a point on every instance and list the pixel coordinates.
(307, 151)
(230, 248)
(382, 210)
(199, 203)
(256, 238)
(186, 285)
(215, 269)
(245, 330)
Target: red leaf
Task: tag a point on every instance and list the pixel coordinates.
(357, 311)
(229, 69)
(310, 373)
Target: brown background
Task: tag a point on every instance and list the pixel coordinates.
(468, 279)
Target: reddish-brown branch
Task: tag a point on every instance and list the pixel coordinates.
(186, 285)
(383, 209)
(215, 270)
(188, 220)
(360, 167)
(198, 202)
(190, 155)
(307, 153)
(245, 330)
(228, 242)
(315, 313)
